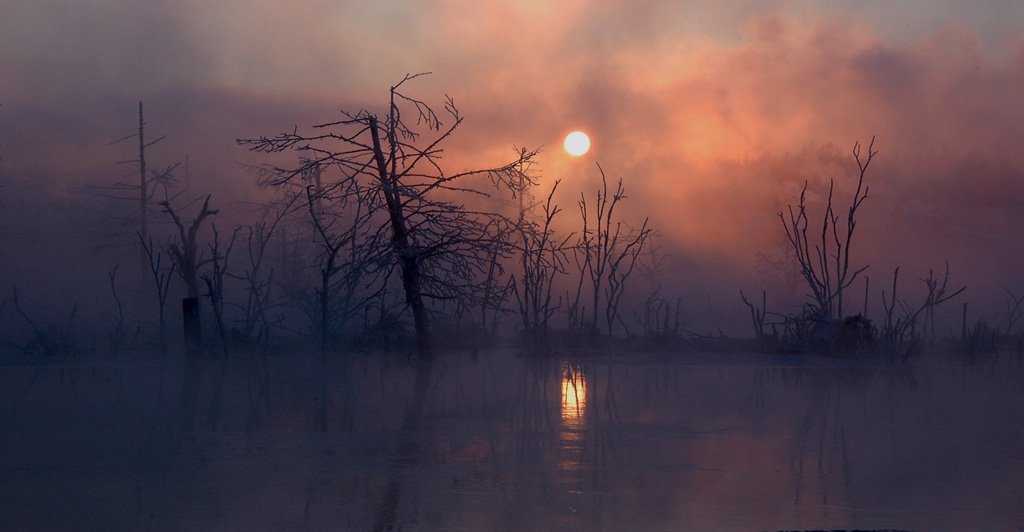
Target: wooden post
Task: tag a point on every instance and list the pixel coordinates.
(193, 332)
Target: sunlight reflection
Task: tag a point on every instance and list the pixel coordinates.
(572, 437)
(574, 394)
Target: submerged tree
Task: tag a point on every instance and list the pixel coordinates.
(606, 254)
(144, 189)
(258, 286)
(543, 258)
(215, 282)
(188, 259)
(162, 283)
(344, 262)
(824, 262)
(420, 228)
(901, 334)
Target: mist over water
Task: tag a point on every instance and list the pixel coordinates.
(280, 200)
(498, 441)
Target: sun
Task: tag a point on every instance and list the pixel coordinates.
(577, 143)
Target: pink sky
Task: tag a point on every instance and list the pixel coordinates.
(713, 113)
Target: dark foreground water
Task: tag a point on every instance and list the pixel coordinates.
(500, 442)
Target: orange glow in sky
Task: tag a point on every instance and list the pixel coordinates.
(714, 114)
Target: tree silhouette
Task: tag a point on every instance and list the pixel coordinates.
(343, 262)
(605, 255)
(825, 264)
(188, 259)
(420, 229)
(185, 252)
(543, 258)
(144, 190)
(258, 285)
(162, 283)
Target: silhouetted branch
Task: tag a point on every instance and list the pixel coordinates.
(185, 253)
(825, 266)
(441, 249)
(161, 280)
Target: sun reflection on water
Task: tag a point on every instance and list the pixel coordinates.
(572, 440)
(574, 394)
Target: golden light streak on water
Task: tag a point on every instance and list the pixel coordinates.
(574, 395)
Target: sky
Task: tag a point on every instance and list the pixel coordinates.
(714, 113)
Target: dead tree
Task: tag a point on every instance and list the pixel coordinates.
(825, 264)
(188, 259)
(259, 287)
(54, 340)
(607, 252)
(661, 322)
(662, 319)
(215, 282)
(117, 335)
(1014, 311)
(161, 280)
(147, 185)
(542, 258)
(344, 261)
(433, 241)
(900, 335)
(494, 287)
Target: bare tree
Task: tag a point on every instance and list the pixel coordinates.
(215, 282)
(543, 258)
(259, 287)
(781, 272)
(825, 264)
(161, 280)
(117, 335)
(900, 334)
(1014, 311)
(188, 259)
(607, 252)
(185, 252)
(662, 319)
(146, 186)
(496, 289)
(54, 340)
(437, 245)
(344, 261)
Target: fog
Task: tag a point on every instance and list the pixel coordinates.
(713, 130)
(367, 288)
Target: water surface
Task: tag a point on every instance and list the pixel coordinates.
(500, 441)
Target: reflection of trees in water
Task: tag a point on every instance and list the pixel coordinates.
(842, 410)
(381, 443)
(548, 425)
(408, 445)
(822, 429)
(496, 442)
(570, 460)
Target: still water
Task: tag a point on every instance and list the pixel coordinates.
(499, 441)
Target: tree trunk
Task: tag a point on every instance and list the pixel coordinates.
(193, 332)
(325, 307)
(411, 277)
(412, 283)
(143, 194)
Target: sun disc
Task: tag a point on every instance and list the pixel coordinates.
(577, 143)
